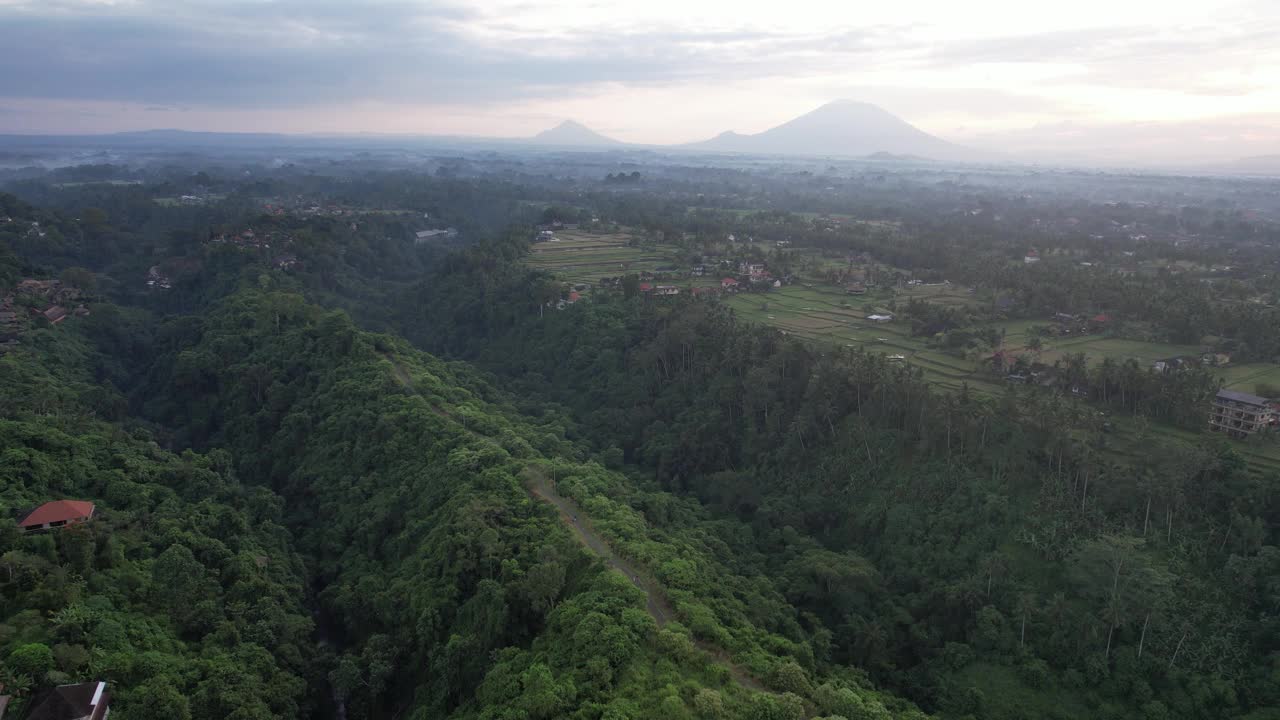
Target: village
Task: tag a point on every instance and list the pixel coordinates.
(37, 301)
(856, 301)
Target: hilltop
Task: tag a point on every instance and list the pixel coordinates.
(573, 133)
(843, 127)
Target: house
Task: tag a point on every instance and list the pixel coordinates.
(646, 287)
(666, 290)
(56, 514)
(880, 317)
(856, 289)
(85, 701)
(54, 314)
(1216, 359)
(157, 279)
(1239, 414)
(728, 284)
(1100, 320)
(423, 236)
(1031, 257)
(574, 297)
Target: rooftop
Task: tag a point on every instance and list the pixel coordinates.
(1242, 397)
(58, 511)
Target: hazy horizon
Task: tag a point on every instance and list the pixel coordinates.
(1142, 81)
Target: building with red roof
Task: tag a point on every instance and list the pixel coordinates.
(58, 513)
(728, 283)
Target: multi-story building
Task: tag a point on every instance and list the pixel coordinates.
(1240, 414)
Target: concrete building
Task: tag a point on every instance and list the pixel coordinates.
(1240, 414)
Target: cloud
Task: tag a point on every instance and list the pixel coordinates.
(302, 53)
(500, 65)
(1192, 59)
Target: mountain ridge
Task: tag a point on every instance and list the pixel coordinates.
(842, 127)
(571, 132)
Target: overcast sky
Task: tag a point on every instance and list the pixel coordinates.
(982, 71)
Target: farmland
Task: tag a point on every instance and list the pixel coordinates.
(827, 315)
(579, 256)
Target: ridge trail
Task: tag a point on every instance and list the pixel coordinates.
(656, 602)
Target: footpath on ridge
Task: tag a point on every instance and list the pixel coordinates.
(656, 602)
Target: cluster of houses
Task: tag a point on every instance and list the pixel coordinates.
(302, 206)
(658, 290)
(249, 239)
(157, 279)
(573, 297)
(49, 299)
(33, 228)
(1073, 324)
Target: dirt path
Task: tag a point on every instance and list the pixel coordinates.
(656, 602)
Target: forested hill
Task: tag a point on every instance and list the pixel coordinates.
(452, 589)
(1019, 570)
(184, 591)
(351, 534)
(301, 518)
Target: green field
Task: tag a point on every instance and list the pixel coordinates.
(582, 257)
(816, 313)
(1247, 377)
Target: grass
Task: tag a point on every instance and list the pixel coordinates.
(816, 314)
(1247, 377)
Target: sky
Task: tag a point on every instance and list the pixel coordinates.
(1142, 77)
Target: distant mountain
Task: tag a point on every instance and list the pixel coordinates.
(570, 133)
(844, 127)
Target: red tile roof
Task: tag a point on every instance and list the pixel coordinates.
(58, 510)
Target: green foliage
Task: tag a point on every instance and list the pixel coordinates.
(33, 659)
(174, 591)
